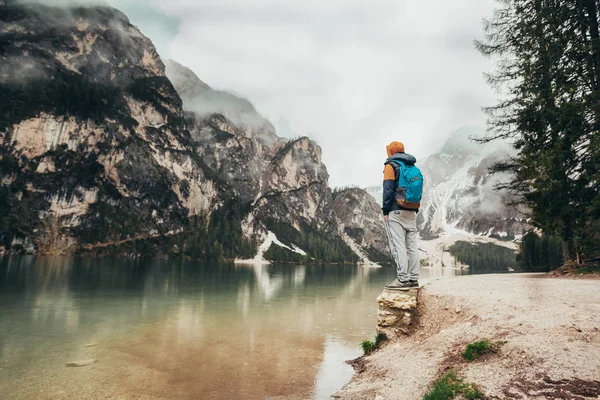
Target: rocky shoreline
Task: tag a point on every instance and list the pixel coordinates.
(549, 330)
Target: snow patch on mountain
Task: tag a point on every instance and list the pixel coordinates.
(270, 240)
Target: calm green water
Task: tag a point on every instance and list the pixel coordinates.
(161, 329)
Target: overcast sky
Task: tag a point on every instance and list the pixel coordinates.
(351, 74)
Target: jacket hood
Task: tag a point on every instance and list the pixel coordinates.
(405, 158)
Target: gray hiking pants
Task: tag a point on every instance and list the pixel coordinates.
(401, 229)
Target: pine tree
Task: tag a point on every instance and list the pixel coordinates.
(548, 55)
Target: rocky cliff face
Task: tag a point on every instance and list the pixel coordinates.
(360, 223)
(294, 191)
(233, 139)
(96, 150)
(92, 137)
(282, 185)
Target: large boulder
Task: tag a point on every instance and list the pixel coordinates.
(397, 312)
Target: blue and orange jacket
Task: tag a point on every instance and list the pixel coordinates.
(390, 181)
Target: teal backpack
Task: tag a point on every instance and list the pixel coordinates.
(410, 186)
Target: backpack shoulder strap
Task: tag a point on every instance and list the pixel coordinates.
(397, 165)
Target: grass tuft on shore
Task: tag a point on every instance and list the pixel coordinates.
(476, 349)
(449, 386)
(369, 346)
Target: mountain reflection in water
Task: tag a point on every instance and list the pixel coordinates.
(181, 330)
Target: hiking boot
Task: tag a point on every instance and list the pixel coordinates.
(397, 285)
(414, 284)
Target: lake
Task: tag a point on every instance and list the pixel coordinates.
(182, 330)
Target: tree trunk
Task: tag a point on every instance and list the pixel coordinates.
(592, 12)
(585, 26)
(566, 250)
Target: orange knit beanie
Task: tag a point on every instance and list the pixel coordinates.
(394, 147)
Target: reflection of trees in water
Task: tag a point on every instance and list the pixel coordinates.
(87, 276)
(83, 275)
(128, 291)
(54, 281)
(43, 285)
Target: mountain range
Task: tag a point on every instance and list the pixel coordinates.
(104, 150)
(107, 149)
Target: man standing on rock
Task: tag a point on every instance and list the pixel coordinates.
(401, 187)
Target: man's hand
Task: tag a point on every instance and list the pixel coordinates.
(385, 218)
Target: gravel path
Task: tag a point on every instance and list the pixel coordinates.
(551, 330)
